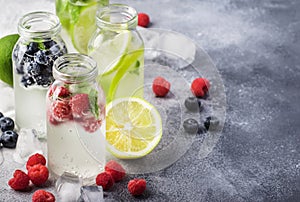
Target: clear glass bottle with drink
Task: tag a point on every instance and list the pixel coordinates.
(78, 21)
(33, 56)
(75, 118)
(119, 51)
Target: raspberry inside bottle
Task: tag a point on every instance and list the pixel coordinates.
(75, 118)
(33, 56)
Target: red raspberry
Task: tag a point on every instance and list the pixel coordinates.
(116, 170)
(200, 87)
(35, 159)
(38, 174)
(43, 196)
(59, 91)
(91, 124)
(20, 181)
(105, 180)
(51, 118)
(61, 110)
(143, 19)
(136, 186)
(160, 86)
(80, 105)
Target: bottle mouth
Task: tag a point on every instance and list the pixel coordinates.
(116, 17)
(39, 25)
(75, 68)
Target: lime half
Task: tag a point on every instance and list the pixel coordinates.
(133, 127)
(84, 28)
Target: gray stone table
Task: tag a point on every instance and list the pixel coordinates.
(255, 46)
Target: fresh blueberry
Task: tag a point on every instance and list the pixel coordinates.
(41, 57)
(6, 123)
(9, 139)
(1, 115)
(192, 104)
(211, 122)
(191, 126)
(20, 68)
(44, 80)
(34, 69)
(32, 48)
(55, 49)
(49, 44)
(27, 81)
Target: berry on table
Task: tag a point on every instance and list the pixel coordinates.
(34, 160)
(192, 104)
(116, 170)
(160, 86)
(211, 122)
(6, 123)
(43, 196)
(191, 126)
(105, 180)
(80, 105)
(9, 139)
(200, 87)
(136, 186)
(38, 174)
(143, 19)
(20, 181)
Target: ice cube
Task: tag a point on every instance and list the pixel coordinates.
(28, 144)
(91, 194)
(68, 187)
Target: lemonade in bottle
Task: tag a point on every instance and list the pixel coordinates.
(33, 56)
(119, 51)
(75, 118)
(78, 21)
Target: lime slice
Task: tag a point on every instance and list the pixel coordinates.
(84, 28)
(109, 53)
(133, 127)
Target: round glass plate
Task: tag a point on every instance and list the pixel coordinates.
(179, 60)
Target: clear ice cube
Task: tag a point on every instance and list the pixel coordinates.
(28, 144)
(68, 187)
(91, 194)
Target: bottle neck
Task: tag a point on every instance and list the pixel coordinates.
(75, 68)
(116, 17)
(39, 26)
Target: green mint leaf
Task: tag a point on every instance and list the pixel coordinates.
(93, 98)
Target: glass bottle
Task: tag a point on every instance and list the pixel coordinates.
(78, 21)
(75, 118)
(119, 51)
(38, 47)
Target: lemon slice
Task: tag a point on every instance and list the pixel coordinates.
(133, 127)
(84, 28)
(110, 53)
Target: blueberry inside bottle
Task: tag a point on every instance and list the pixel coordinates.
(33, 56)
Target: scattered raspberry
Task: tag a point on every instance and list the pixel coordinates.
(136, 186)
(59, 91)
(43, 196)
(20, 181)
(80, 105)
(200, 87)
(38, 174)
(61, 110)
(91, 124)
(35, 159)
(143, 19)
(116, 170)
(105, 180)
(160, 87)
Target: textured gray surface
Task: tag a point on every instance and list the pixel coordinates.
(255, 46)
